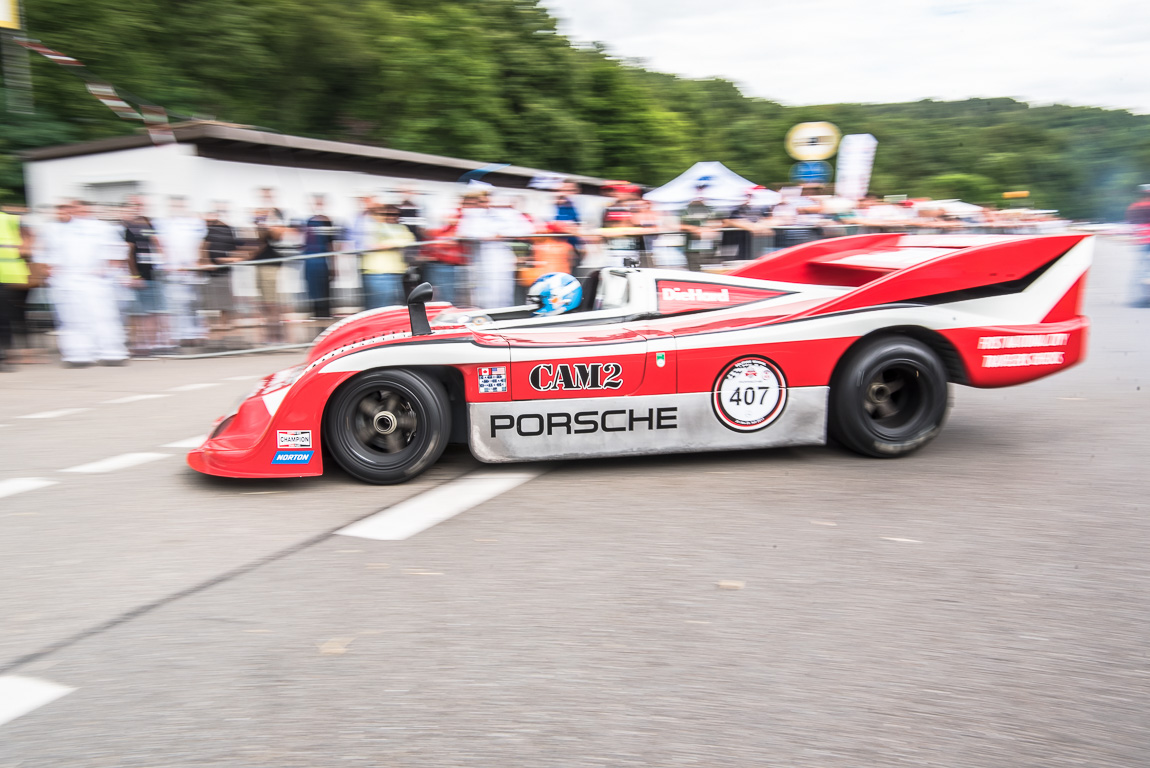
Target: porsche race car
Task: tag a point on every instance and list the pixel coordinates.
(855, 338)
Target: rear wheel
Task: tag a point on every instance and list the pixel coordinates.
(387, 426)
(889, 397)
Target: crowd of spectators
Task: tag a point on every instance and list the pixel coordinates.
(123, 283)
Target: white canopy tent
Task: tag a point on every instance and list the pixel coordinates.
(722, 187)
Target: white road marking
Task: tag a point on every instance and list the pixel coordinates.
(191, 442)
(21, 484)
(54, 414)
(194, 387)
(20, 695)
(123, 461)
(132, 399)
(249, 377)
(901, 541)
(433, 507)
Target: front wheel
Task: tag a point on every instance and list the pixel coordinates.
(889, 397)
(387, 426)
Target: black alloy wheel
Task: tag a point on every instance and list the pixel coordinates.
(889, 397)
(387, 426)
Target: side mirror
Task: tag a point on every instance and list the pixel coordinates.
(416, 311)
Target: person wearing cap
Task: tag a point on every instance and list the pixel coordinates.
(1138, 216)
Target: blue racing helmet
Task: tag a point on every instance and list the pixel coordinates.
(556, 293)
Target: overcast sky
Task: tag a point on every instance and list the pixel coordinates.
(1090, 52)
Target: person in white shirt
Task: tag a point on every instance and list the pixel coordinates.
(493, 263)
(82, 254)
(181, 237)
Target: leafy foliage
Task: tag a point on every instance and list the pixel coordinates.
(492, 80)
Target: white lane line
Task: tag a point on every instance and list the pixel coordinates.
(132, 399)
(191, 442)
(433, 507)
(21, 484)
(249, 377)
(901, 541)
(194, 387)
(53, 414)
(20, 695)
(123, 461)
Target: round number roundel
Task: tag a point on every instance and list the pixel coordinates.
(749, 394)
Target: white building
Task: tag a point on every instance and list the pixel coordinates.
(211, 162)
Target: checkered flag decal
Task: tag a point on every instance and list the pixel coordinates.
(493, 379)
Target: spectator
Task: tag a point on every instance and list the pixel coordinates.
(272, 229)
(444, 260)
(411, 217)
(364, 224)
(147, 329)
(493, 262)
(221, 249)
(1138, 216)
(14, 279)
(700, 224)
(384, 266)
(567, 220)
(320, 236)
(743, 223)
(516, 224)
(80, 252)
(181, 236)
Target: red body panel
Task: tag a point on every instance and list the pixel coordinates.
(1004, 356)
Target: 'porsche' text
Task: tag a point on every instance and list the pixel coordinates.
(585, 422)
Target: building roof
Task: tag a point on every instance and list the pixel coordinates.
(222, 141)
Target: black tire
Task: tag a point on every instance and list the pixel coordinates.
(387, 426)
(889, 397)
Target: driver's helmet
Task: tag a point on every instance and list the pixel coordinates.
(555, 293)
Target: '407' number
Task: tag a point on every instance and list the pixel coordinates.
(746, 395)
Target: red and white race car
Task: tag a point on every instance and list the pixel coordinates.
(857, 338)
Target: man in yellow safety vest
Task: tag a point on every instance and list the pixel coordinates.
(13, 278)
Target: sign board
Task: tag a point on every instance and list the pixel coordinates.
(811, 172)
(856, 159)
(812, 141)
(9, 14)
(1016, 195)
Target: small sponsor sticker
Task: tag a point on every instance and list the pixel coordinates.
(292, 457)
(493, 379)
(686, 296)
(293, 438)
(660, 359)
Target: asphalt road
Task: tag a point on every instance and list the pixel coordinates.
(985, 602)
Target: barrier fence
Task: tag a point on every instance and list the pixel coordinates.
(284, 303)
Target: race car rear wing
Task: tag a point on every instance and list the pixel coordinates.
(895, 268)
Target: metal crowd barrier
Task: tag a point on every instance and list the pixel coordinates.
(275, 304)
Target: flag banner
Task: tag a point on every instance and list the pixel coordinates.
(121, 102)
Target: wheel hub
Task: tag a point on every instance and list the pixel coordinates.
(384, 422)
(879, 393)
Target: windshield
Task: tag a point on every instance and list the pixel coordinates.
(613, 289)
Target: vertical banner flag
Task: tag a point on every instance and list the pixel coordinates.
(9, 14)
(856, 159)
